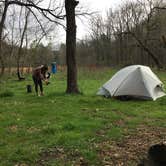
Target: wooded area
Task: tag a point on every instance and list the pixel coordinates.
(133, 33)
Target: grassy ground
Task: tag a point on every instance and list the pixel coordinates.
(61, 129)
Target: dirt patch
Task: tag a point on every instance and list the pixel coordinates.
(33, 130)
(72, 157)
(13, 128)
(131, 150)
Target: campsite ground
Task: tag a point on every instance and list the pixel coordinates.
(61, 129)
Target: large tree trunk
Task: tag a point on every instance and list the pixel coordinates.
(72, 86)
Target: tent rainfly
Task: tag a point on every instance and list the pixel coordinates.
(134, 81)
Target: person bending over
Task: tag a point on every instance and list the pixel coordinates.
(39, 75)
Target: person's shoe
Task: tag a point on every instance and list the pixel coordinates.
(41, 94)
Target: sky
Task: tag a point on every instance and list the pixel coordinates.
(100, 6)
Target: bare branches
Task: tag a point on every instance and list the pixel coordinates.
(30, 4)
(51, 20)
(160, 8)
(38, 21)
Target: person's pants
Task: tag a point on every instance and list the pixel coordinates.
(38, 82)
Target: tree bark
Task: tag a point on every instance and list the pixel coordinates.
(1, 32)
(72, 86)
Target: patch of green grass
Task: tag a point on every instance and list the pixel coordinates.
(69, 127)
(6, 93)
(115, 133)
(31, 124)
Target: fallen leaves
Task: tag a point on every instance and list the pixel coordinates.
(72, 157)
(132, 148)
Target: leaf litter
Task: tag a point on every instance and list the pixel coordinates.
(132, 148)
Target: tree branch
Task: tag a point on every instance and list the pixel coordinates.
(31, 4)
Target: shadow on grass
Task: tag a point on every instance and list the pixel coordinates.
(126, 99)
(62, 94)
(6, 93)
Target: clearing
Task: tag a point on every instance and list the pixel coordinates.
(61, 129)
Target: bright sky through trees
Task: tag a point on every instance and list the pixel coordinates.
(100, 6)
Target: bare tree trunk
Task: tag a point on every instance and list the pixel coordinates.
(72, 86)
(20, 47)
(2, 66)
(1, 31)
(145, 48)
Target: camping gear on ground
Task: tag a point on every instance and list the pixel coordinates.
(48, 74)
(53, 67)
(135, 81)
(29, 88)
